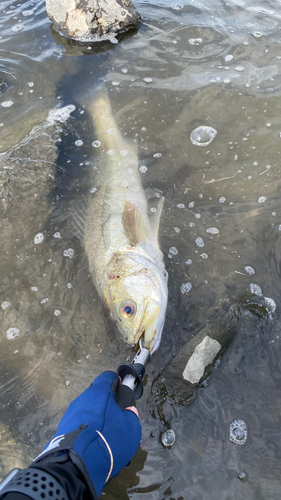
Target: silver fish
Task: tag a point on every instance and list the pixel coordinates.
(120, 240)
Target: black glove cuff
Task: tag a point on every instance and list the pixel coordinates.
(37, 484)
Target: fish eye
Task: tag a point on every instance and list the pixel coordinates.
(127, 309)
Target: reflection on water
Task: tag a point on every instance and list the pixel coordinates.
(211, 64)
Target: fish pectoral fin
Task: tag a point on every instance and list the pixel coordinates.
(155, 218)
(134, 224)
(78, 218)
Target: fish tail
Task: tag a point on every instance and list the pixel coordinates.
(104, 122)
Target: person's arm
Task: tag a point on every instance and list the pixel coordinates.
(94, 441)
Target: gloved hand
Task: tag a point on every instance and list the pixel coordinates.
(100, 438)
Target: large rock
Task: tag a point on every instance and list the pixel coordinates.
(92, 20)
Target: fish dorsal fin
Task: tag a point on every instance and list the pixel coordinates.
(155, 218)
(134, 224)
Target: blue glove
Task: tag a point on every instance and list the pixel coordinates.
(100, 438)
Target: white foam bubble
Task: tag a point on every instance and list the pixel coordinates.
(5, 305)
(203, 135)
(17, 28)
(177, 230)
(262, 199)
(191, 204)
(38, 238)
(222, 199)
(57, 312)
(124, 152)
(157, 155)
(180, 205)
(249, 270)
(270, 304)
(96, 144)
(7, 104)
(69, 252)
(228, 58)
(177, 6)
(34, 289)
(12, 333)
(27, 13)
(143, 169)
(204, 255)
(45, 300)
(199, 242)
(148, 80)
(195, 41)
(188, 262)
(173, 251)
(57, 235)
(255, 289)
(212, 230)
(79, 142)
(60, 114)
(186, 287)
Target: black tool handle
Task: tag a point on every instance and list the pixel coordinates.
(124, 396)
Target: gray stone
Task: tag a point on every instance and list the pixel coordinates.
(92, 20)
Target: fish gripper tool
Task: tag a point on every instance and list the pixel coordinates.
(131, 386)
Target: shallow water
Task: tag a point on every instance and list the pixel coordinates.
(193, 64)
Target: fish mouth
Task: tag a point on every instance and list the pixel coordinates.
(149, 329)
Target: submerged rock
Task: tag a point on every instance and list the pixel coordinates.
(92, 20)
(195, 361)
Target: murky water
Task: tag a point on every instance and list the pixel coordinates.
(191, 64)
